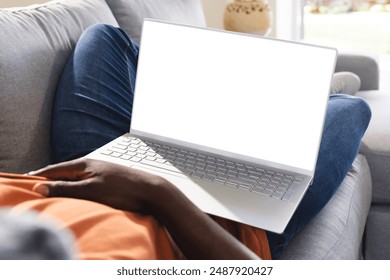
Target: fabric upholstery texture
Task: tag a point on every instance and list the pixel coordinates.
(376, 148)
(376, 144)
(368, 74)
(347, 211)
(35, 43)
(377, 137)
(130, 13)
(376, 242)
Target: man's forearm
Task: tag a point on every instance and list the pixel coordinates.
(196, 234)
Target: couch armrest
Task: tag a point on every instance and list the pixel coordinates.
(337, 231)
(365, 66)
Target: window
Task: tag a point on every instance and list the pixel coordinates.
(357, 25)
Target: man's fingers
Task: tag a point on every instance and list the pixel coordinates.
(70, 170)
(41, 189)
(63, 189)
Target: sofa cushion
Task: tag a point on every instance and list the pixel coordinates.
(376, 144)
(376, 239)
(130, 13)
(34, 44)
(365, 65)
(336, 232)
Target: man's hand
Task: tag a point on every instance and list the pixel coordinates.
(111, 184)
(196, 234)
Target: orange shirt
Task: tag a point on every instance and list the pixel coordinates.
(102, 232)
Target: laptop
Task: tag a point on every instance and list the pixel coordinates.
(233, 120)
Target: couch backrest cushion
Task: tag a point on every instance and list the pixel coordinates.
(130, 13)
(34, 44)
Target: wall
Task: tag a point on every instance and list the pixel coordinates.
(213, 10)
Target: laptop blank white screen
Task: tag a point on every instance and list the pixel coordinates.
(252, 96)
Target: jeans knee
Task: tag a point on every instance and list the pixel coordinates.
(362, 111)
(99, 29)
(346, 107)
(105, 35)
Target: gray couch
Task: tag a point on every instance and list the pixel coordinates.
(35, 43)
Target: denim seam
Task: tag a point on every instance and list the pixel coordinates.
(128, 67)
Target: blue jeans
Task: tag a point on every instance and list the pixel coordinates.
(94, 101)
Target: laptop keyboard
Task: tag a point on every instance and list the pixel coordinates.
(206, 167)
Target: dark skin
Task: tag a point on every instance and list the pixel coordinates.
(196, 234)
